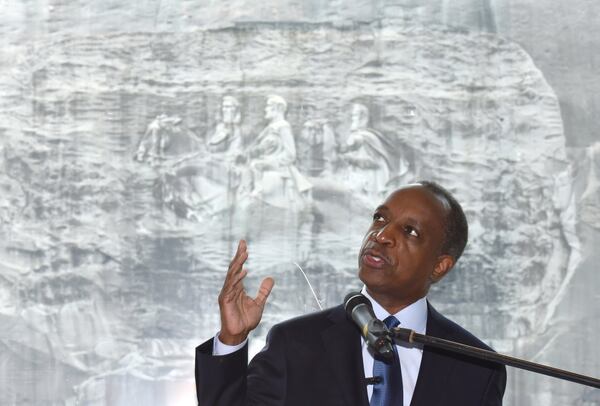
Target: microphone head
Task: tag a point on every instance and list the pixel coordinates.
(374, 331)
(354, 299)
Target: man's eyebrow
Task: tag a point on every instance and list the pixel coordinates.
(416, 222)
(382, 207)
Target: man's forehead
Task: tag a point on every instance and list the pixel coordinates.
(418, 195)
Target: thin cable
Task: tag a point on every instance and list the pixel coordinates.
(310, 286)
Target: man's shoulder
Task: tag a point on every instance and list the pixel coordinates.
(440, 326)
(466, 380)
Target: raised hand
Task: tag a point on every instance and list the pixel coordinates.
(240, 313)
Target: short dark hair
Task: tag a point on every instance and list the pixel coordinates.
(456, 230)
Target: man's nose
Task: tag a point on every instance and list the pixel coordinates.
(384, 235)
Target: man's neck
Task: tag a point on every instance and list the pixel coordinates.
(392, 305)
(412, 316)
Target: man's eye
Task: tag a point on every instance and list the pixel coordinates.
(378, 217)
(411, 231)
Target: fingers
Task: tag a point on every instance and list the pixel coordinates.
(264, 291)
(239, 258)
(232, 286)
(237, 263)
(236, 278)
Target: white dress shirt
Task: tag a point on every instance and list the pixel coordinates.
(413, 317)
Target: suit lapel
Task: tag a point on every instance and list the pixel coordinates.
(343, 344)
(435, 369)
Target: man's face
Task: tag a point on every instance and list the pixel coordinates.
(271, 110)
(229, 110)
(401, 254)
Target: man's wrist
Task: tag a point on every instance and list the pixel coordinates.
(221, 348)
(232, 340)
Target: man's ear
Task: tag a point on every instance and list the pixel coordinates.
(443, 266)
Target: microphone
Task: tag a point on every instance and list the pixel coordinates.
(376, 334)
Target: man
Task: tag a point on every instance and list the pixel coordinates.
(317, 144)
(416, 237)
(370, 158)
(227, 138)
(271, 157)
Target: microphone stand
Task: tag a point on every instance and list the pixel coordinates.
(409, 336)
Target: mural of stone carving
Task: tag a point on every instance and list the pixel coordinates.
(134, 161)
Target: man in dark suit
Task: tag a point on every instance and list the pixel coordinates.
(415, 238)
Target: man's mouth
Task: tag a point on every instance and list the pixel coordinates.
(374, 259)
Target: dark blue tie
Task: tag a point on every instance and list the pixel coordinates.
(389, 391)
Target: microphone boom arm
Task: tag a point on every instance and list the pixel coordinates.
(407, 335)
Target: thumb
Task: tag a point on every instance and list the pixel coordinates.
(264, 291)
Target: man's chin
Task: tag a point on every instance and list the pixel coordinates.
(371, 276)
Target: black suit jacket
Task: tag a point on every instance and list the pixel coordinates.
(317, 360)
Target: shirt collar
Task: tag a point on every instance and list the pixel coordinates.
(413, 316)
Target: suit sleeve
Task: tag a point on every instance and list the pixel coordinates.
(229, 381)
(495, 388)
(220, 380)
